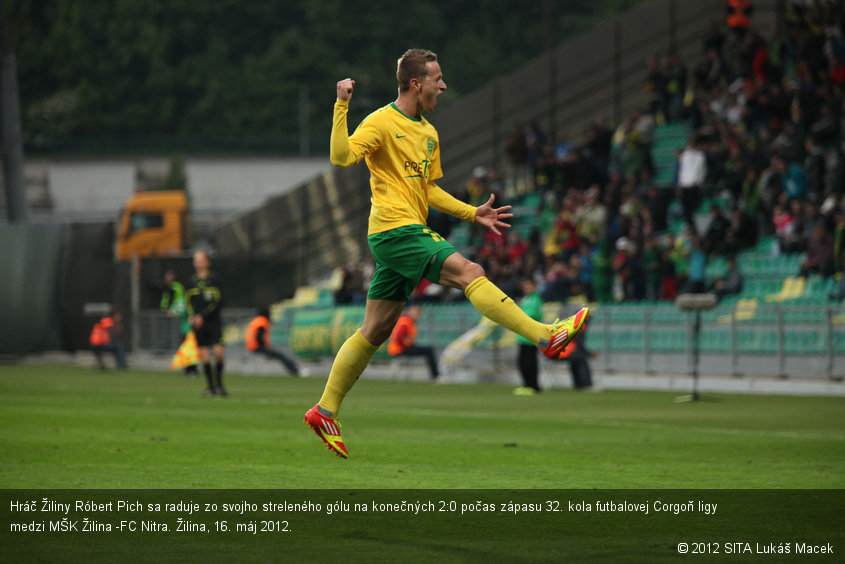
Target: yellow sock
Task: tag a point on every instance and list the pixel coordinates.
(496, 306)
(351, 360)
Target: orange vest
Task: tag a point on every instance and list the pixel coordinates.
(251, 337)
(738, 13)
(100, 335)
(402, 337)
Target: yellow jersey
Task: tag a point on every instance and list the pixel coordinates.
(403, 155)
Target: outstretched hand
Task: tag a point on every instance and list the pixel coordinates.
(344, 89)
(491, 217)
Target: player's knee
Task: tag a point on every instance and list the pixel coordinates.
(472, 271)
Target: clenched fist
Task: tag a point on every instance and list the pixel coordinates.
(344, 89)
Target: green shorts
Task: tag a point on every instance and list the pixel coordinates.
(404, 256)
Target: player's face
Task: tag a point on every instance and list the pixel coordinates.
(201, 261)
(431, 86)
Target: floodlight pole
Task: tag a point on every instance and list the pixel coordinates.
(695, 303)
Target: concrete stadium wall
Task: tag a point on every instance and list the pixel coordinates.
(94, 190)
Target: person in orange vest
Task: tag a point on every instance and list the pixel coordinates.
(404, 336)
(106, 337)
(739, 17)
(257, 340)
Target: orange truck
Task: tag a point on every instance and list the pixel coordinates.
(154, 223)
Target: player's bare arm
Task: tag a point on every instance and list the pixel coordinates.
(491, 217)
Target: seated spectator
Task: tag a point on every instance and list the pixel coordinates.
(352, 288)
(742, 233)
(668, 277)
(516, 247)
(558, 283)
(107, 336)
(730, 283)
(591, 215)
(257, 340)
(696, 281)
(793, 179)
(403, 340)
(819, 257)
(563, 238)
(783, 228)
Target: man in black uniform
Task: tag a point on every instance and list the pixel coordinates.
(203, 298)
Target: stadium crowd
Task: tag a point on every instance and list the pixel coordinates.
(764, 151)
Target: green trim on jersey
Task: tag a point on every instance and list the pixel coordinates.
(393, 105)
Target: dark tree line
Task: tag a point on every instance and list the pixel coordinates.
(146, 69)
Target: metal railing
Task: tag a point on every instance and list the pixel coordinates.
(776, 340)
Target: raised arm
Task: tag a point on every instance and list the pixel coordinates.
(347, 150)
(340, 153)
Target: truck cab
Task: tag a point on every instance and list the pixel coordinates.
(153, 223)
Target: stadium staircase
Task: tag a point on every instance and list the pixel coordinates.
(669, 138)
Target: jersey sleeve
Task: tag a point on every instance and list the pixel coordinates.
(346, 150)
(444, 202)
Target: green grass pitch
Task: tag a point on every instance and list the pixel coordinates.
(71, 427)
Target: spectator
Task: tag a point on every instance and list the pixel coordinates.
(585, 269)
(403, 340)
(633, 274)
(654, 86)
(784, 228)
(257, 340)
(716, 234)
(668, 277)
(692, 172)
(578, 356)
(739, 17)
(532, 304)
(731, 282)
(657, 208)
(107, 336)
(816, 167)
(352, 287)
(742, 232)
(839, 241)
(602, 274)
(591, 216)
(653, 269)
(696, 282)
(819, 257)
(792, 177)
(563, 239)
(676, 86)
